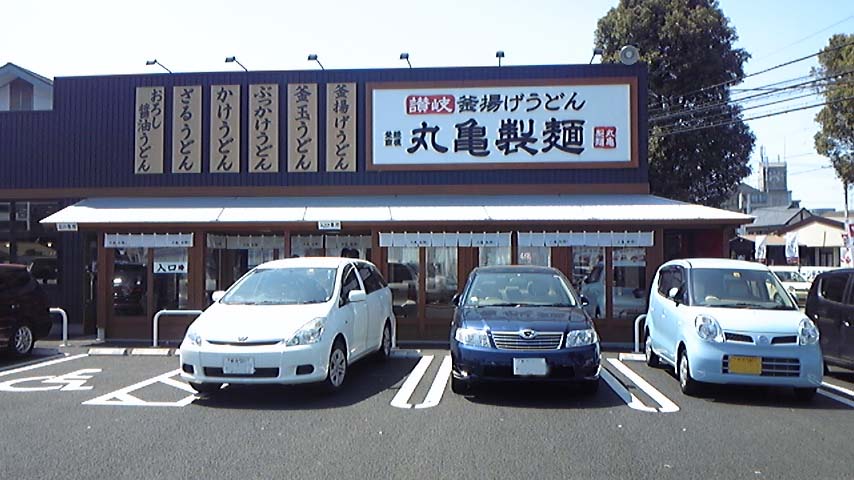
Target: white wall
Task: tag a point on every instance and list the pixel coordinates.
(820, 235)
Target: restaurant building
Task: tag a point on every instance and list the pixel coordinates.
(138, 193)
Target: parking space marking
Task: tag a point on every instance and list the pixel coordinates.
(401, 400)
(123, 397)
(621, 391)
(42, 364)
(440, 384)
(635, 357)
(837, 388)
(69, 382)
(837, 398)
(667, 406)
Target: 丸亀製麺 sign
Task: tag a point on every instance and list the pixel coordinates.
(555, 124)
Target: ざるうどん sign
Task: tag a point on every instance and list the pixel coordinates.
(557, 124)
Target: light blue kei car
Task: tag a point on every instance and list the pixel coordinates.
(730, 322)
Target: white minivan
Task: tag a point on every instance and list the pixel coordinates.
(299, 320)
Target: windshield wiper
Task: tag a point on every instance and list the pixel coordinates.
(739, 305)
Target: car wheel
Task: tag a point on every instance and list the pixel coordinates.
(22, 341)
(384, 353)
(805, 394)
(688, 385)
(651, 357)
(337, 368)
(206, 387)
(460, 386)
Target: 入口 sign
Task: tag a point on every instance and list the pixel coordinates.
(558, 125)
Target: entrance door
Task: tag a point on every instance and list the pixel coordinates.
(130, 313)
(403, 273)
(440, 288)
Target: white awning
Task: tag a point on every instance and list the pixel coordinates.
(391, 208)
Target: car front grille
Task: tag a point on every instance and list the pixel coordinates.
(259, 373)
(773, 366)
(737, 337)
(741, 338)
(514, 341)
(784, 340)
(258, 343)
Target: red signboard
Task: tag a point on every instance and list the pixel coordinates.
(430, 104)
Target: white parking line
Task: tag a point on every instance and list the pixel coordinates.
(401, 400)
(635, 357)
(122, 397)
(667, 406)
(440, 384)
(42, 364)
(837, 388)
(621, 391)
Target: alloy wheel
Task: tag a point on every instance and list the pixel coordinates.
(23, 341)
(337, 367)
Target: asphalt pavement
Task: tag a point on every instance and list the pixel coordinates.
(72, 413)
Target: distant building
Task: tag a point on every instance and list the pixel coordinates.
(23, 90)
(772, 192)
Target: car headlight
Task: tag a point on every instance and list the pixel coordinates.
(308, 333)
(193, 337)
(807, 332)
(580, 338)
(708, 329)
(473, 337)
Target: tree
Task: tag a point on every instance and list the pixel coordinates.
(688, 47)
(835, 140)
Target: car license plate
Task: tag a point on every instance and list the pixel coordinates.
(238, 366)
(530, 366)
(745, 365)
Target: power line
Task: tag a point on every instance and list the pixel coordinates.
(721, 124)
(785, 47)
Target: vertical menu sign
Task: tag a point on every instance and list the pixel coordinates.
(264, 128)
(225, 129)
(187, 129)
(302, 127)
(341, 127)
(148, 128)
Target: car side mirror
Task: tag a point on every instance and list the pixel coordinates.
(217, 295)
(456, 300)
(584, 301)
(357, 296)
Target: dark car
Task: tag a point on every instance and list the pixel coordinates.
(522, 323)
(24, 310)
(830, 305)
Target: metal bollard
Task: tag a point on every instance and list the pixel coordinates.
(169, 312)
(638, 321)
(64, 316)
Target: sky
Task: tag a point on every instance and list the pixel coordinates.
(93, 37)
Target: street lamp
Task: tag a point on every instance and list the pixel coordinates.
(499, 55)
(405, 56)
(312, 57)
(234, 60)
(155, 62)
(596, 51)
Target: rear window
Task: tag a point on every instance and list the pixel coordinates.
(833, 287)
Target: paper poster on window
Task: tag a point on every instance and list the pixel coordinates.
(148, 127)
(187, 129)
(302, 127)
(225, 129)
(264, 128)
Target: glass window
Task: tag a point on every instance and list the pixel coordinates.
(833, 287)
(370, 277)
(403, 282)
(34, 245)
(130, 281)
(229, 257)
(535, 256)
(494, 256)
(349, 284)
(736, 288)
(629, 293)
(588, 277)
(171, 286)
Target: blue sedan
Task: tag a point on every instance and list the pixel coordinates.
(522, 323)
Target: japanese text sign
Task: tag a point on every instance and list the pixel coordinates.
(148, 128)
(264, 128)
(302, 127)
(341, 127)
(225, 129)
(187, 129)
(556, 124)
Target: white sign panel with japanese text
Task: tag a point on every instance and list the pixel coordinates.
(225, 129)
(264, 128)
(148, 126)
(187, 129)
(551, 124)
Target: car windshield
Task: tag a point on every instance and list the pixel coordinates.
(734, 288)
(518, 289)
(283, 286)
(790, 276)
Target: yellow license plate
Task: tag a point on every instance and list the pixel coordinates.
(745, 365)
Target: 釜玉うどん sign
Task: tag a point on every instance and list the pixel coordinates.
(553, 123)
